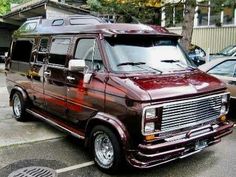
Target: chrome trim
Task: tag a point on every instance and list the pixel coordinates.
(158, 154)
(197, 131)
(191, 153)
(232, 97)
(54, 124)
(171, 103)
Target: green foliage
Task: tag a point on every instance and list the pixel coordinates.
(95, 5)
(5, 5)
(138, 9)
(129, 10)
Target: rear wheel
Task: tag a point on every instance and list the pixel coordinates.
(106, 149)
(18, 107)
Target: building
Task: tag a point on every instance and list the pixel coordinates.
(213, 28)
(44, 8)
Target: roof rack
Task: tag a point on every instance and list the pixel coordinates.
(69, 20)
(73, 20)
(84, 24)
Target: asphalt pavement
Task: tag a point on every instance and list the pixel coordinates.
(20, 133)
(34, 143)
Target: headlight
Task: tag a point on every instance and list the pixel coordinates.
(149, 127)
(225, 98)
(223, 109)
(151, 120)
(150, 113)
(225, 104)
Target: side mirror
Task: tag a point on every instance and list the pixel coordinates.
(76, 65)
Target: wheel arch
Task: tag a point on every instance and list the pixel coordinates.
(111, 122)
(20, 90)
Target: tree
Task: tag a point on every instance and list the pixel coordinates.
(187, 28)
(129, 10)
(189, 12)
(139, 10)
(5, 5)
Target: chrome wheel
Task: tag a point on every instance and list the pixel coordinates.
(17, 107)
(104, 151)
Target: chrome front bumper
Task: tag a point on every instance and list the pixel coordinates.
(150, 155)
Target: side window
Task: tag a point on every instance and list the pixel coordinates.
(59, 50)
(43, 49)
(29, 26)
(21, 50)
(226, 68)
(87, 49)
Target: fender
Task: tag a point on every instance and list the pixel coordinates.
(19, 89)
(113, 122)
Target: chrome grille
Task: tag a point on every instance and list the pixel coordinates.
(191, 112)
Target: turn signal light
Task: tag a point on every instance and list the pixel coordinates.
(149, 137)
(223, 118)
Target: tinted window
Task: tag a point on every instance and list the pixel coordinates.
(43, 49)
(224, 69)
(59, 50)
(81, 21)
(141, 53)
(228, 51)
(22, 50)
(87, 50)
(58, 22)
(29, 26)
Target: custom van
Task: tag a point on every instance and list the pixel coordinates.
(128, 90)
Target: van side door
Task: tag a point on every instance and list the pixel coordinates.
(38, 60)
(86, 89)
(55, 77)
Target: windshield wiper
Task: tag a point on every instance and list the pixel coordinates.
(178, 63)
(131, 63)
(139, 63)
(154, 69)
(170, 61)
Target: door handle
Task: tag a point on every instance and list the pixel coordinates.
(47, 73)
(69, 78)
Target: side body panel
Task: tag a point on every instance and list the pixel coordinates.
(55, 90)
(85, 89)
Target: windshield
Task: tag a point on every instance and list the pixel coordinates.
(145, 54)
(228, 51)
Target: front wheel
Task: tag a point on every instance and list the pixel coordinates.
(18, 107)
(106, 149)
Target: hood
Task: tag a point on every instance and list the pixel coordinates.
(167, 86)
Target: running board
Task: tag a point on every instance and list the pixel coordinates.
(57, 123)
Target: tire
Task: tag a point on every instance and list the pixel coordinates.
(106, 149)
(18, 107)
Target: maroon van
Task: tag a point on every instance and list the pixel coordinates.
(129, 91)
